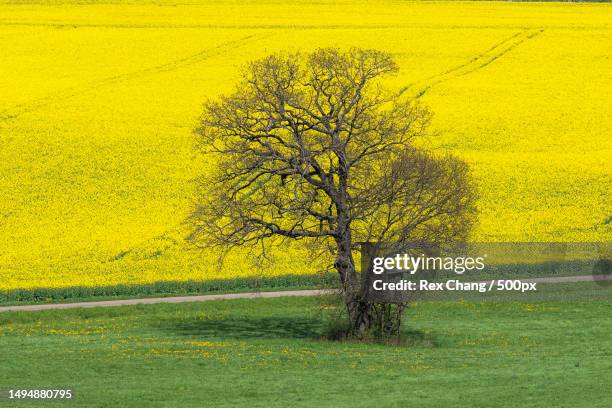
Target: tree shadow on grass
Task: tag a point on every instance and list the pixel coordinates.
(249, 328)
(420, 338)
(238, 328)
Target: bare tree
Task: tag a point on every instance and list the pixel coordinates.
(313, 147)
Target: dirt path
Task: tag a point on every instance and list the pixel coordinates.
(253, 295)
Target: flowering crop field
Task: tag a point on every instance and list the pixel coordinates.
(98, 100)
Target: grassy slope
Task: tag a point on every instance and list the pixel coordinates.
(98, 99)
(268, 353)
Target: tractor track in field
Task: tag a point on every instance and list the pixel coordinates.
(475, 63)
(253, 295)
(18, 110)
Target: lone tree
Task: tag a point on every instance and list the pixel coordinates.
(312, 147)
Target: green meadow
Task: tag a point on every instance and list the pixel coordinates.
(273, 353)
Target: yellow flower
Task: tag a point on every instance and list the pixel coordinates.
(97, 106)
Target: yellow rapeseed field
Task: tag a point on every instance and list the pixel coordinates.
(98, 100)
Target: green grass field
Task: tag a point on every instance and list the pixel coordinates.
(270, 353)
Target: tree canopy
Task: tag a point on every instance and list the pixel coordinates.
(315, 147)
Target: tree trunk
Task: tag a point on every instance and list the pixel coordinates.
(366, 318)
(360, 316)
(358, 308)
(374, 320)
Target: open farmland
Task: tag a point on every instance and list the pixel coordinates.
(270, 352)
(98, 101)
